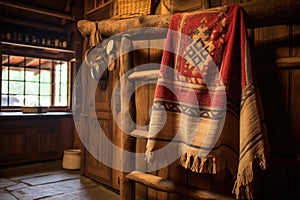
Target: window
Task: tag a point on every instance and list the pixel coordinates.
(28, 81)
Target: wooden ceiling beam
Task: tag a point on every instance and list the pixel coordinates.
(37, 10)
(32, 24)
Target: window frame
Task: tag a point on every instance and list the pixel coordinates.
(62, 55)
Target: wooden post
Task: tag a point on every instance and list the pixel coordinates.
(127, 188)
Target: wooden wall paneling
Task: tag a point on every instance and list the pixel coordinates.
(269, 44)
(116, 132)
(103, 95)
(280, 40)
(294, 139)
(45, 135)
(14, 146)
(83, 128)
(199, 180)
(177, 174)
(47, 142)
(142, 119)
(67, 131)
(94, 168)
(33, 139)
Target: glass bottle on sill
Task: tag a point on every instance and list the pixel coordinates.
(27, 40)
(33, 41)
(8, 36)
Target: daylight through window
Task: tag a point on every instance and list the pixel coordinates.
(28, 81)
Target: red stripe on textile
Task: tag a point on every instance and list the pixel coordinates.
(201, 98)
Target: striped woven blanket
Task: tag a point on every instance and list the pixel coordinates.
(207, 109)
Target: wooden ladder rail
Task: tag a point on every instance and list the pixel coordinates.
(170, 186)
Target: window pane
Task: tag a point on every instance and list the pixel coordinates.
(45, 88)
(4, 59)
(32, 62)
(4, 100)
(32, 75)
(29, 81)
(16, 73)
(16, 87)
(31, 100)
(64, 89)
(45, 76)
(31, 88)
(45, 100)
(57, 76)
(4, 87)
(46, 64)
(4, 73)
(64, 72)
(61, 101)
(15, 61)
(13, 100)
(21, 99)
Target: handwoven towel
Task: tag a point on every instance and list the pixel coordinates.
(189, 110)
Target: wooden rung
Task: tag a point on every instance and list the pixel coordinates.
(144, 75)
(139, 133)
(288, 62)
(170, 186)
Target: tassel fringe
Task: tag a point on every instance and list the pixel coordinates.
(243, 188)
(198, 164)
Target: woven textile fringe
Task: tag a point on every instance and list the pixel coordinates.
(193, 127)
(197, 164)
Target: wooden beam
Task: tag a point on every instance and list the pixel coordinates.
(39, 10)
(146, 75)
(170, 186)
(258, 13)
(32, 51)
(288, 62)
(23, 22)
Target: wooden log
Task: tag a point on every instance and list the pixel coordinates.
(258, 13)
(170, 186)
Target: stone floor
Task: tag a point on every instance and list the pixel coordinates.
(49, 181)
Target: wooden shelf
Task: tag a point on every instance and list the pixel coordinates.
(36, 51)
(46, 48)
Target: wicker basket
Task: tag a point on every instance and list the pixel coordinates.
(131, 8)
